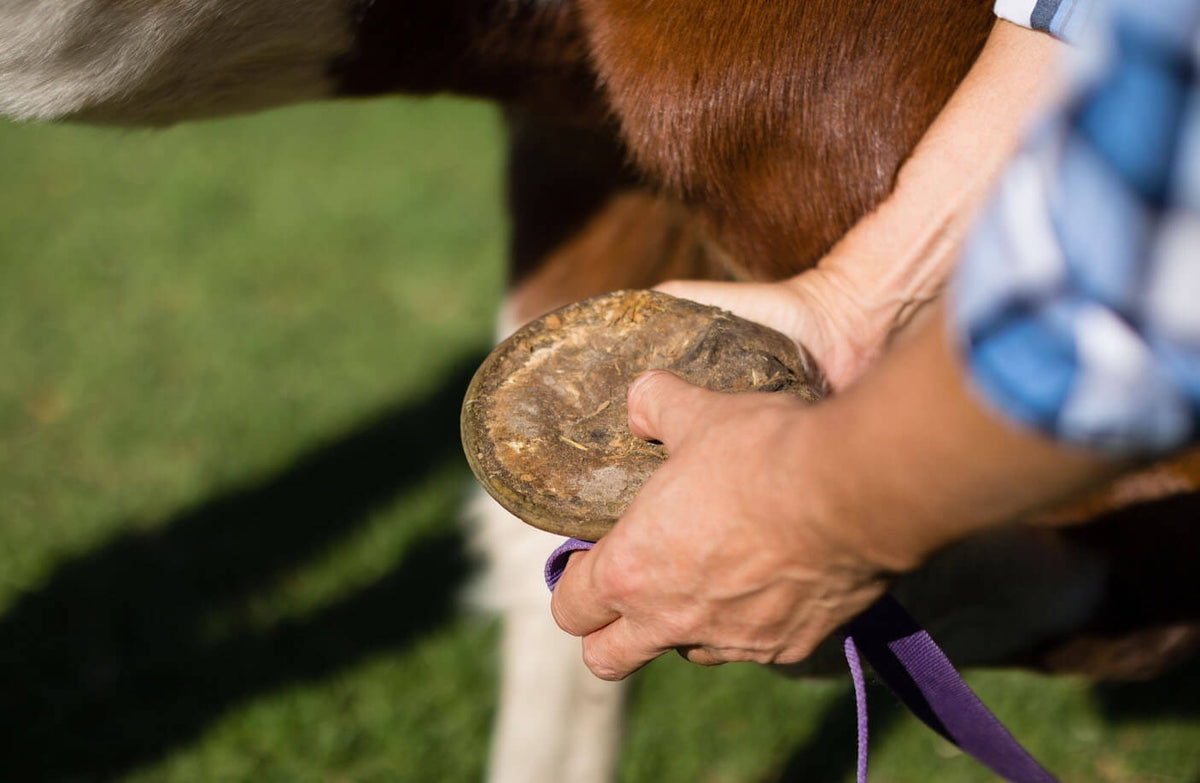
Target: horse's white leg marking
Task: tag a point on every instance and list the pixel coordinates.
(596, 726)
(556, 723)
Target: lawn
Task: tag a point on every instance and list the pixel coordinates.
(231, 356)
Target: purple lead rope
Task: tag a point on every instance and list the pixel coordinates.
(860, 704)
(911, 664)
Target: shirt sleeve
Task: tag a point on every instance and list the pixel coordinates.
(1061, 18)
(1077, 300)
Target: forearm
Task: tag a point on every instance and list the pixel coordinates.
(911, 460)
(898, 258)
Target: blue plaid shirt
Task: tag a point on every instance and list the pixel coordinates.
(1078, 297)
(1062, 18)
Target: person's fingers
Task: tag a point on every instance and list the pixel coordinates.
(749, 300)
(701, 656)
(576, 603)
(821, 311)
(664, 407)
(617, 650)
(706, 291)
(781, 305)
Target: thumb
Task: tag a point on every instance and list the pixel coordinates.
(664, 407)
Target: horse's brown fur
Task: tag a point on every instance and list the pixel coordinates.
(782, 123)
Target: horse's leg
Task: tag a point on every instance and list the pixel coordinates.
(580, 228)
(555, 721)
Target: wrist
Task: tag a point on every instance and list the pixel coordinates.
(836, 331)
(879, 278)
(846, 508)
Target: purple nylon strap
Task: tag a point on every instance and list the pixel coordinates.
(860, 704)
(911, 664)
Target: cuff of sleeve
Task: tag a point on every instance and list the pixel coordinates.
(1063, 19)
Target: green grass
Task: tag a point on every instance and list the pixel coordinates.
(231, 355)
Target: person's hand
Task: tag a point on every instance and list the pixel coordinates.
(721, 555)
(846, 310)
(870, 287)
(843, 327)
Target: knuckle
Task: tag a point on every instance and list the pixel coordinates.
(791, 655)
(617, 577)
(598, 664)
(592, 657)
(716, 656)
(762, 657)
(562, 617)
(679, 628)
(743, 653)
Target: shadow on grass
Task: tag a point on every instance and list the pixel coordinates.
(107, 667)
(1154, 584)
(1175, 694)
(830, 754)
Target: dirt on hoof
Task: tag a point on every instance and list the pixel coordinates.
(544, 423)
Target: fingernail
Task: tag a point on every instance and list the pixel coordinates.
(635, 388)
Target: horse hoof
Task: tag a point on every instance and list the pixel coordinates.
(544, 422)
